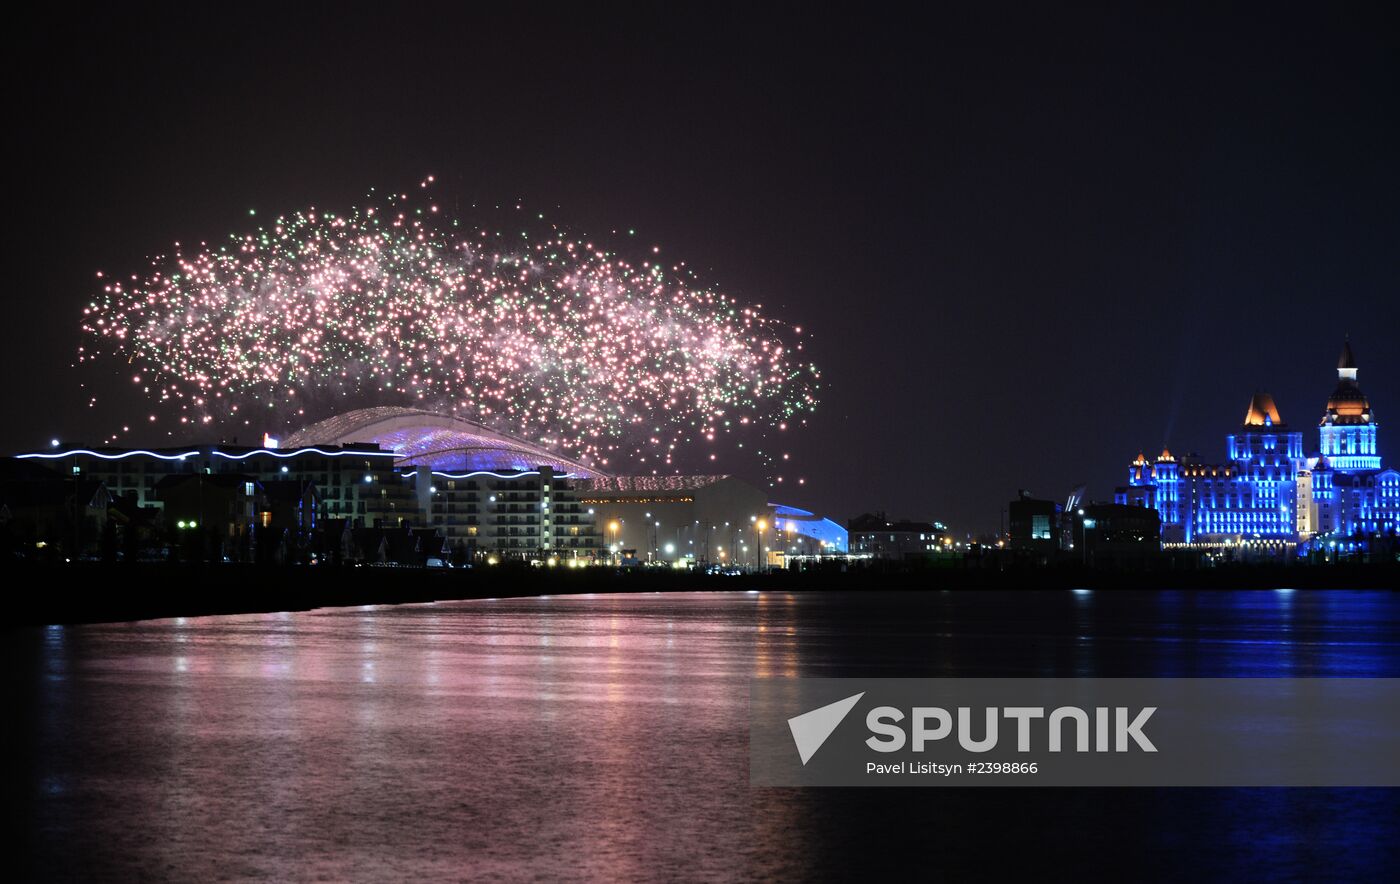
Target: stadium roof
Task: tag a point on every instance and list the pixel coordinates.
(637, 484)
(439, 441)
(833, 537)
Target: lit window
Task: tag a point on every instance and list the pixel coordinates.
(1040, 527)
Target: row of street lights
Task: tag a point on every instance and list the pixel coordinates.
(759, 526)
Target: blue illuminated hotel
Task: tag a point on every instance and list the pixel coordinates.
(1268, 488)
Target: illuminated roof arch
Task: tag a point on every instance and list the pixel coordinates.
(440, 441)
(833, 537)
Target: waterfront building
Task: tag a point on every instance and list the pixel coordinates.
(875, 536)
(225, 505)
(1116, 535)
(1269, 489)
(39, 506)
(1034, 525)
(523, 513)
(483, 493)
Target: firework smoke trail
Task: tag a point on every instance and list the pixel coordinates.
(555, 339)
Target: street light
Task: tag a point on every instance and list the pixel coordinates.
(759, 526)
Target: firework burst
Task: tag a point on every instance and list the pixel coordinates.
(527, 330)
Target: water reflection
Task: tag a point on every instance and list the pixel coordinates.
(606, 737)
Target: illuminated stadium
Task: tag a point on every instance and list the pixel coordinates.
(452, 487)
(441, 442)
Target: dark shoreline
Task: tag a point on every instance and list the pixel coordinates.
(97, 593)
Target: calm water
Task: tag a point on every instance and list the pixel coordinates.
(606, 737)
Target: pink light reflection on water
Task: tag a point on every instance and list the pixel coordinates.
(553, 737)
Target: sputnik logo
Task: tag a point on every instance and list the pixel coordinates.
(810, 729)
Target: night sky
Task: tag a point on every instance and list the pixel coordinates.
(1024, 247)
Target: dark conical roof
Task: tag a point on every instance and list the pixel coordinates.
(1346, 360)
